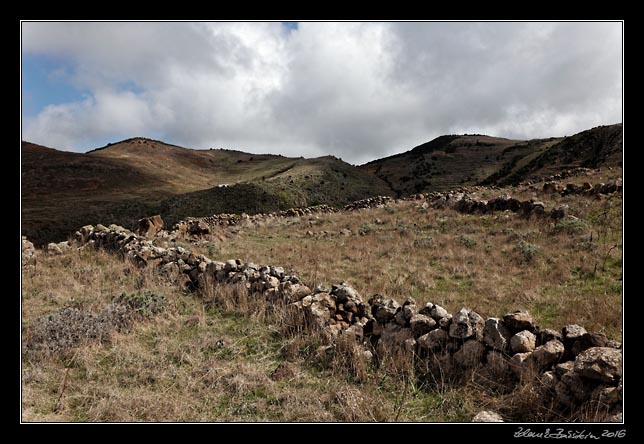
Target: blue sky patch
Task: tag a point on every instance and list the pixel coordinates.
(46, 81)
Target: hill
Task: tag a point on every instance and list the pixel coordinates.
(448, 162)
(122, 182)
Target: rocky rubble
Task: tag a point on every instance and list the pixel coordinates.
(372, 202)
(199, 225)
(574, 366)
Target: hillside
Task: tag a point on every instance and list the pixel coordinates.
(324, 180)
(122, 182)
(448, 162)
(107, 339)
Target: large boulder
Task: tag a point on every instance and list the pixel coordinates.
(149, 226)
(600, 363)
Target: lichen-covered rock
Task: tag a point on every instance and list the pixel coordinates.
(487, 416)
(438, 312)
(600, 363)
(466, 324)
(572, 333)
(496, 335)
(518, 320)
(433, 340)
(386, 310)
(522, 342)
(548, 354)
(588, 340)
(421, 324)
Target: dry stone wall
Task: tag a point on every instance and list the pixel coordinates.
(572, 366)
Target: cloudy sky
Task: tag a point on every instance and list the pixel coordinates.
(359, 91)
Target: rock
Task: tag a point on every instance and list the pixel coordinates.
(427, 309)
(28, 249)
(580, 388)
(607, 395)
(400, 318)
(550, 187)
(293, 292)
(564, 367)
(549, 379)
(470, 354)
(519, 364)
(198, 227)
(600, 363)
(149, 226)
(344, 293)
(438, 312)
(230, 265)
(546, 335)
(386, 310)
(589, 340)
(518, 320)
(465, 324)
(445, 322)
(421, 324)
(393, 339)
(497, 365)
(548, 354)
(345, 232)
(522, 342)
(496, 335)
(54, 249)
(560, 212)
(487, 416)
(433, 340)
(573, 332)
(617, 417)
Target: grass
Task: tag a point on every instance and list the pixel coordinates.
(492, 263)
(215, 356)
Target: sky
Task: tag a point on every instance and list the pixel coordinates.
(356, 90)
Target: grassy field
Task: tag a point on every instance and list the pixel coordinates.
(198, 362)
(564, 273)
(203, 361)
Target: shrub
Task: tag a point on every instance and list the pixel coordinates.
(146, 304)
(424, 242)
(467, 241)
(72, 327)
(571, 225)
(527, 250)
(366, 229)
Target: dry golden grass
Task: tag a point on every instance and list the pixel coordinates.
(569, 273)
(213, 357)
(202, 360)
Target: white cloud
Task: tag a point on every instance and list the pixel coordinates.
(355, 90)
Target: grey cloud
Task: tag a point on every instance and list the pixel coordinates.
(355, 90)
